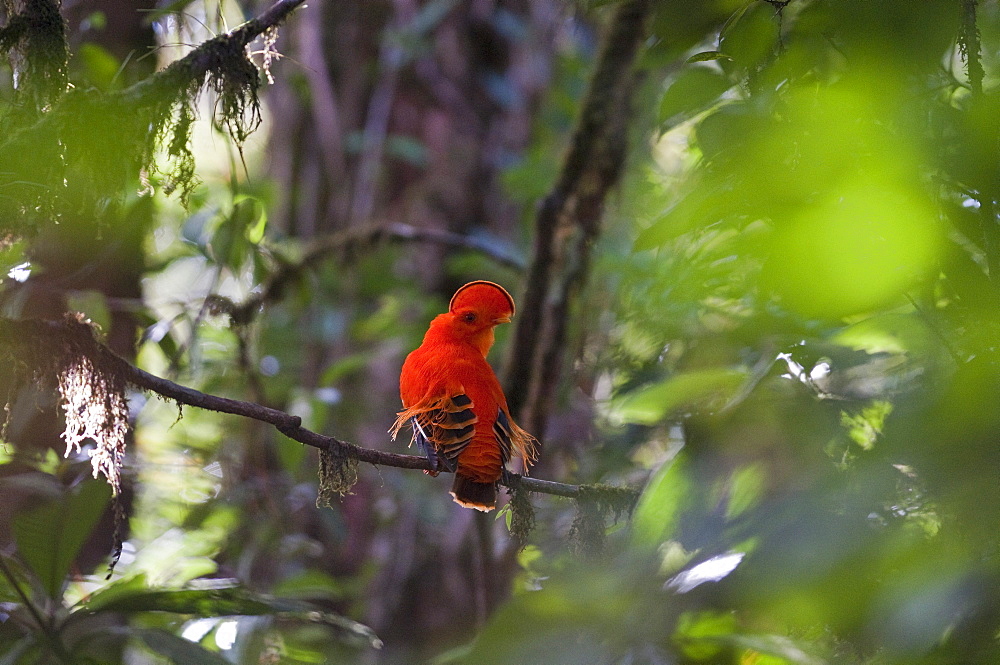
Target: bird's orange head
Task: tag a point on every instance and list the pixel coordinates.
(473, 312)
(481, 304)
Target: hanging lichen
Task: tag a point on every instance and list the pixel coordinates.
(35, 36)
(969, 46)
(594, 505)
(92, 394)
(522, 513)
(80, 149)
(95, 402)
(337, 475)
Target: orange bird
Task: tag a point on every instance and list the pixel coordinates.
(453, 401)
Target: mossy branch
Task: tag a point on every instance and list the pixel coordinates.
(79, 336)
(568, 219)
(208, 57)
(106, 139)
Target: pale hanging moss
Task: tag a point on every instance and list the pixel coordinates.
(92, 393)
(337, 475)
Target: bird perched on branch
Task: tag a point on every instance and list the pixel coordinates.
(453, 401)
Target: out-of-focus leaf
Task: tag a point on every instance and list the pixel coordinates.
(708, 56)
(751, 35)
(407, 149)
(49, 537)
(889, 333)
(99, 64)
(17, 651)
(564, 623)
(311, 584)
(702, 389)
(345, 366)
(694, 89)
(858, 249)
(698, 633)
(199, 602)
(226, 601)
(179, 650)
(784, 649)
(256, 224)
(123, 588)
(745, 488)
(681, 25)
(660, 504)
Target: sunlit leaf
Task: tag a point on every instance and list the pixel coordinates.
(751, 35)
(99, 64)
(708, 56)
(659, 507)
(703, 389)
(856, 250)
(784, 649)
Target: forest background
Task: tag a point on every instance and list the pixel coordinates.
(756, 255)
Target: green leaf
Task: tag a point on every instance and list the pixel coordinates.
(179, 650)
(50, 536)
(19, 649)
(224, 601)
(694, 90)
(252, 215)
(99, 65)
(779, 647)
(660, 504)
(708, 56)
(751, 36)
(698, 633)
(702, 389)
(122, 588)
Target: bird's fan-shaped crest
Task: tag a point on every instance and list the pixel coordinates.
(482, 292)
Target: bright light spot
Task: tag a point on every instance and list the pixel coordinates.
(819, 371)
(20, 272)
(795, 370)
(269, 366)
(327, 395)
(214, 469)
(198, 629)
(712, 570)
(225, 636)
(970, 203)
(158, 331)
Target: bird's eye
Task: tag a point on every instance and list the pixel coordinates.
(470, 317)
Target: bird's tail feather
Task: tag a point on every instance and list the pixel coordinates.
(470, 494)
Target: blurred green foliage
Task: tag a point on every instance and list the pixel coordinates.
(789, 342)
(810, 300)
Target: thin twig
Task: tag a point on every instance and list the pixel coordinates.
(362, 237)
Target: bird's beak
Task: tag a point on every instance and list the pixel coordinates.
(502, 319)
